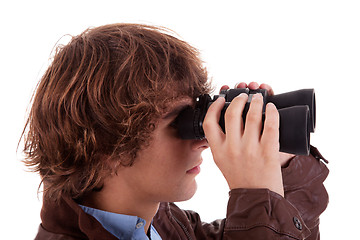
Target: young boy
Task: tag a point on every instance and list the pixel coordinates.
(101, 134)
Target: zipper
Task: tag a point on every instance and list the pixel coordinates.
(183, 227)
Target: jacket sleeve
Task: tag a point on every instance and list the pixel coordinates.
(263, 214)
(303, 185)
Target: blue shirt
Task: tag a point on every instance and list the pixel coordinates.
(123, 227)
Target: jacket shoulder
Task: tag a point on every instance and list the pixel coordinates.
(43, 234)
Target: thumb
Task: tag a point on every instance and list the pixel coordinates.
(212, 129)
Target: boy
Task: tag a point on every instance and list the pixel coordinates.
(101, 134)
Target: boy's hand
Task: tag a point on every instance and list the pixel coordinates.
(246, 157)
(284, 158)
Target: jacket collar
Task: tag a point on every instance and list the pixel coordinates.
(66, 217)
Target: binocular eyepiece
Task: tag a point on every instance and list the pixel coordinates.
(296, 109)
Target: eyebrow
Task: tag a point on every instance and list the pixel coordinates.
(175, 111)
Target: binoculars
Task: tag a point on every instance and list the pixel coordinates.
(296, 110)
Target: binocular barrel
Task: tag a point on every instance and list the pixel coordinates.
(297, 113)
(304, 97)
(295, 128)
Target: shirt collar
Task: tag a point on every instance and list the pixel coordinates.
(122, 226)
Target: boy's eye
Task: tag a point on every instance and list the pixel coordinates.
(173, 124)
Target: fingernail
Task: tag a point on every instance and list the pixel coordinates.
(271, 105)
(257, 96)
(219, 97)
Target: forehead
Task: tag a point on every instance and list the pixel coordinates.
(174, 107)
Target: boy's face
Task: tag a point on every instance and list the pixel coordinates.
(166, 169)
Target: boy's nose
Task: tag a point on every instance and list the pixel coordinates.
(200, 144)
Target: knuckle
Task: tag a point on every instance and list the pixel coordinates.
(272, 128)
(251, 152)
(232, 152)
(252, 117)
(206, 124)
(272, 119)
(230, 114)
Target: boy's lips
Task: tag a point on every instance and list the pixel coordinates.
(195, 170)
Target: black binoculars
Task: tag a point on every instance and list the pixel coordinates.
(296, 109)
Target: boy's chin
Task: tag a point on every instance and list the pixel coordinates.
(187, 195)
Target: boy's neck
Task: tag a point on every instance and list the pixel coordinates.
(122, 200)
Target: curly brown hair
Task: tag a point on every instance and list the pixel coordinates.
(99, 100)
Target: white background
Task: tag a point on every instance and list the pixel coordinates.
(287, 44)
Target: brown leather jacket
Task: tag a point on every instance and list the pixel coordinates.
(251, 213)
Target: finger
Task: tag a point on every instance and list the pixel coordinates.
(211, 127)
(224, 87)
(270, 136)
(234, 126)
(241, 85)
(253, 85)
(268, 88)
(253, 122)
